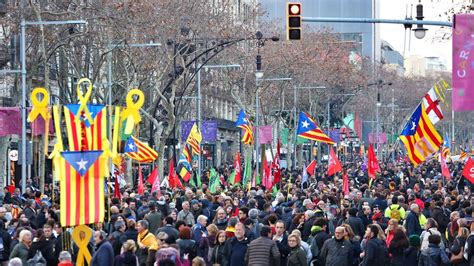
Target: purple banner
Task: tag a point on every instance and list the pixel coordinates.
(463, 62)
(10, 121)
(382, 139)
(265, 134)
(208, 130)
(334, 134)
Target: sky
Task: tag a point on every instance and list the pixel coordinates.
(431, 45)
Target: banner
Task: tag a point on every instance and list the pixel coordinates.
(463, 62)
(265, 134)
(382, 139)
(10, 121)
(208, 130)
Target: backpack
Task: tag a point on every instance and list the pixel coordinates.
(395, 213)
(314, 248)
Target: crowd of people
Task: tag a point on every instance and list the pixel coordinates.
(406, 216)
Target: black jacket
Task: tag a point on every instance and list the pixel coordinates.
(46, 249)
(126, 259)
(307, 228)
(375, 252)
(410, 256)
(6, 238)
(336, 253)
(356, 225)
(234, 252)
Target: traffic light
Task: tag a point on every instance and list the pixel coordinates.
(293, 21)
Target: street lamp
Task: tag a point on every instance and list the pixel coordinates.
(23, 25)
(420, 31)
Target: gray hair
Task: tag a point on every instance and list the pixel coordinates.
(413, 206)
(162, 235)
(64, 256)
(309, 213)
(15, 262)
(201, 217)
(143, 223)
(233, 221)
(24, 233)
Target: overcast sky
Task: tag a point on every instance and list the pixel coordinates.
(430, 45)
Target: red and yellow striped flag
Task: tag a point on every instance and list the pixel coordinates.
(139, 151)
(82, 187)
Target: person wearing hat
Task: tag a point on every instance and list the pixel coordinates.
(411, 253)
(153, 217)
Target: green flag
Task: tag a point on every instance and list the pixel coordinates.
(192, 183)
(247, 171)
(213, 181)
(231, 179)
(275, 191)
(198, 178)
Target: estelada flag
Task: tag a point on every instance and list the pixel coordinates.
(334, 165)
(468, 171)
(308, 129)
(82, 187)
(95, 134)
(311, 167)
(373, 166)
(139, 151)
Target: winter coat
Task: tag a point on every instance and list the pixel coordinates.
(458, 246)
(154, 221)
(20, 251)
(126, 259)
(433, 256)
(424, 238)
(336, 253)
(375, 252)
(234, 252)
(263, 251)
(297, 257)
(216, 254)
(412, 224)
(187, 246)
(104, 255)
(410, 256)
(46, 249)
(357, 226)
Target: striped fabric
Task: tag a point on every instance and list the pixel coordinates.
(308, 129)
(139, 151)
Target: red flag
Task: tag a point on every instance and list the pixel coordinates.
(267, 182)
(238, 175)
(468, 171)
(345, 183)
(334, 165)
(153, 176)
(444, 167)
(311, 167)
(156, 186)
(276, 165)
(141, 186)
(173, 178)
(373, 166)
(117, 193)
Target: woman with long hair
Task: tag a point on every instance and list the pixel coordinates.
(217, 252)
(297, 223)
(349, 235)
(397, 246)
(457, 249)
(127, 256)
(390, 232)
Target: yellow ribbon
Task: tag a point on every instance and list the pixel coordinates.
(83, 99)
(40, 107)
(133, 107)
(81, 236)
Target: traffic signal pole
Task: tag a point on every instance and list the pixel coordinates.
(378, 20)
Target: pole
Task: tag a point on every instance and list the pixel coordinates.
(257, 117)
(377, 20)
(452, 128)
(393, 122)
(198, 100)
(295, 129)
(23, 106)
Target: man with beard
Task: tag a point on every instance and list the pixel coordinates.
(220, 220)
(337, 251)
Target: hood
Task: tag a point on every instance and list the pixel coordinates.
(316, 229)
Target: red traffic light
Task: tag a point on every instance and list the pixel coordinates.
(294, 9)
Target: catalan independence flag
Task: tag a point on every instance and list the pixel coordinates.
(82, 187)
(95, 134)
(308, 129)
(139, 151)
(244, 123)
(420, 136)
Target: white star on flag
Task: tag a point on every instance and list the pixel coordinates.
(82, 164)
(305, 124)
(131, 146)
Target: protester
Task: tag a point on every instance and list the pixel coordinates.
(263, 250)
(397, 247)
(297, 256)
(127, 256)
(21, 250)
(433, 255)
(104, 253)
(337, 251)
